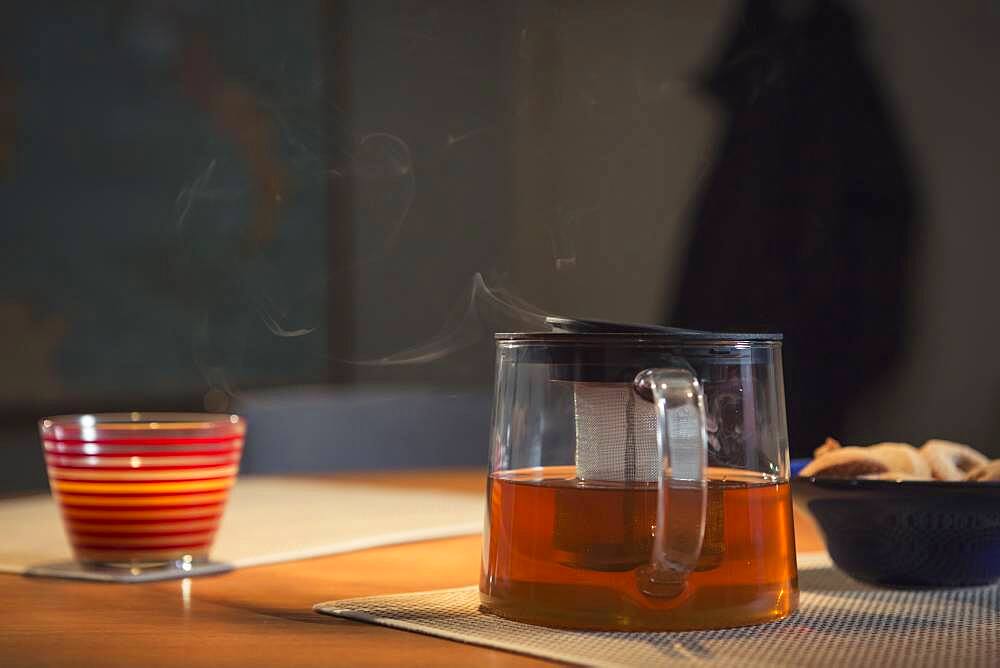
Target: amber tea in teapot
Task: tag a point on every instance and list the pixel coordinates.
(557, 541)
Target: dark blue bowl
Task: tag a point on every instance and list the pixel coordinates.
(908, 533)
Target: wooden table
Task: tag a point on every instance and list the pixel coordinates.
(257, 616)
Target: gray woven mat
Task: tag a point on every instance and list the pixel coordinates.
(839, 623)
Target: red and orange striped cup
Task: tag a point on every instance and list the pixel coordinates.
(142, 490)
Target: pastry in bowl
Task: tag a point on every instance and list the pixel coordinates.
(850, 462)
(988, 472)
(951, 461)
(902, 458)
(934, 460)
(832, 460)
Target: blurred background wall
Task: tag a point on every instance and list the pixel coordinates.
(247, 205)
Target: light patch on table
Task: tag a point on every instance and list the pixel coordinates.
(269, 520)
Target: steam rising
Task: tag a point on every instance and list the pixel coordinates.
(385, 154)
(187, 195)
(478, 313)
(278, 330)
(237, 220)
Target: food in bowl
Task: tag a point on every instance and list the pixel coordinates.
(988, 472)
(934, 460)
(951, 461)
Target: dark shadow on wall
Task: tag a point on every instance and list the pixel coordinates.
(807, 221)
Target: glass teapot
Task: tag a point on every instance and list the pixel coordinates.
(638, 480)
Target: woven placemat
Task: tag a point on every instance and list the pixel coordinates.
(839, 623)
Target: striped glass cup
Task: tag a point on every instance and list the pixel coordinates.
(142, 490)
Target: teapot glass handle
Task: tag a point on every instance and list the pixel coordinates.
(682, 444)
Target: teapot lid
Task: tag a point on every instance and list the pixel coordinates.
(562, 326)
(583, 326)
(599, 351)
